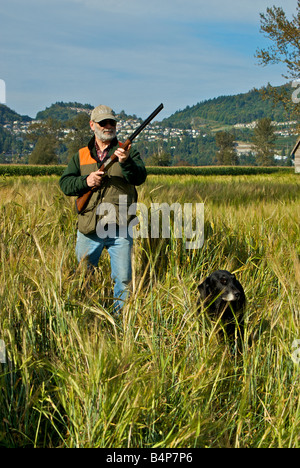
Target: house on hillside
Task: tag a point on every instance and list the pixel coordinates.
(296, 154)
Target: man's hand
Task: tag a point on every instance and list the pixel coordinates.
(94, 179)
(122, 154)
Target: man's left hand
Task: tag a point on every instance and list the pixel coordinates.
(122, 154)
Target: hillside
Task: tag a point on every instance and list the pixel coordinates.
(7, 116)
(230, 110)
(227, 110)
(63, 111)
(188, 135)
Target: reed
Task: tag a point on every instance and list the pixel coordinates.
(157, 376)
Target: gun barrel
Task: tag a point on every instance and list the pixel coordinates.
(146, 122)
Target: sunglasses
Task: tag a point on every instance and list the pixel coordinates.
(105, 122)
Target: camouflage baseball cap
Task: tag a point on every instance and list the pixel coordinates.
(102, 113)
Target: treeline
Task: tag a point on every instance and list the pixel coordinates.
(54, 142)
(181, 151)
(218, 149)
(63, 128)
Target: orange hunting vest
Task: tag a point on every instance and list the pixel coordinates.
(113, 185)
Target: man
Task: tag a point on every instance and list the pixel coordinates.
(121, 178)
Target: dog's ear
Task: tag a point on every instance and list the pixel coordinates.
(204, 288)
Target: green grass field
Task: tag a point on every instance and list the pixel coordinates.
(158, 376)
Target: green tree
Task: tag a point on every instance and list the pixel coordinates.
(226, 154)
(159, 159)
(45, 127)
(263, 140)
(80, 133)
(285, 35)
(47, 137)
(44, 151)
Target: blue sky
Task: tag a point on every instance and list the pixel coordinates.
(131, 54)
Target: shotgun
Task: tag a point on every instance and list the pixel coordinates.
(82, 201)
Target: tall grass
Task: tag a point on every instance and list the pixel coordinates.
(158, 376)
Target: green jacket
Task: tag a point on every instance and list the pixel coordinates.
(121, 179)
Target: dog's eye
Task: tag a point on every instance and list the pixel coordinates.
(224, 281)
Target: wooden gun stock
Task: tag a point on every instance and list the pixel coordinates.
(82, 201)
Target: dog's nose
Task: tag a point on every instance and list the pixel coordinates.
(237, 294)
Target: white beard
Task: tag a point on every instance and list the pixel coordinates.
(105, 135)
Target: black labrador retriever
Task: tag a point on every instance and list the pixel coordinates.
(223, 295)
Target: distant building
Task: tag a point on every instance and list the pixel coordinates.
(296, 154)
(243, 148)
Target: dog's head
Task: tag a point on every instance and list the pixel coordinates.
(223, 296)
(222, 285)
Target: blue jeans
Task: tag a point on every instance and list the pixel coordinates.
(90, 247)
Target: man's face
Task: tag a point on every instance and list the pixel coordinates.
(105, 130)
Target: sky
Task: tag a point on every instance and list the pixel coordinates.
(131, 54)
